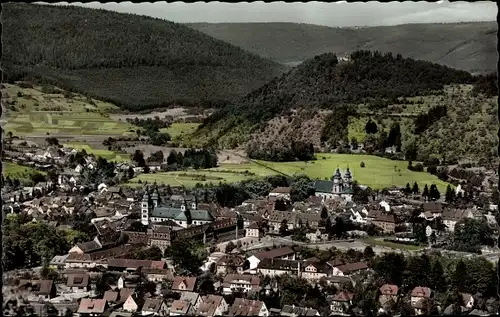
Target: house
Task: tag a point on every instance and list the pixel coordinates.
(44, 289)
(386, 222)
(388, 292)
(452, 216)
(230, 263)
(157, 275)
(274, 267)
(193, 298)
(340, 303)
(419, 293)
(254, 231)
(181, 308)
(212, 305)
(184, 284)
(244, 283)
(315, 270)
(434, 208)
(294, 311)
(246, 307)
(284, 253)
(349, 269)
(316, 235)
(337, 187)
(131, 265)
(92, 307)
(468, 301)
(131, 304)
(281, 193)
(78, 282)
(154, 307)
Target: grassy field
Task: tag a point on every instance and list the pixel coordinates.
(14, 170)
(38, 113)
(377, 173)
(392, 245)
(108, 155)
(177, 130)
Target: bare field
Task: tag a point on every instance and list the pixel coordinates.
(174, 112)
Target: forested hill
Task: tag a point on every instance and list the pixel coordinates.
(134, 61)
(324, 82)
(466, 46)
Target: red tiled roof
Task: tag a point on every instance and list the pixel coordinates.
(190, 283)
(209, 305)
(389, 289)
(40, 287)
(110, 296)
(274, 253)
(352, 267)
(78, 280)
(245, 307)
(343, 297)
(92, 306)
(420, 291)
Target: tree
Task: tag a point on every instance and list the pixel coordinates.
(425, 193)
(459, 278)
(450, 194)
(371, 127)
(283, 228)
(437, 278)
(368, 253)
(390, 268)
(407, 189)
(230, 247)
(434, 192)
(354, 143)
(415, 188)
(153, 253)
(138, 157)
(185, 255)
(130, 172)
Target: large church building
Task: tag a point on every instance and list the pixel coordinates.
(337, 187)
(183, 212)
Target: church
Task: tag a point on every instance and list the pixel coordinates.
(337, 187)
(183, 212)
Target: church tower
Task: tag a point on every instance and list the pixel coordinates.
(146, 208)
(348, 178)
(337, 182)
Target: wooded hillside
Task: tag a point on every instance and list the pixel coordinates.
(466, 46)
(134, 61)
(323, 82)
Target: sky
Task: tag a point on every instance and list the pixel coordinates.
(328, 14)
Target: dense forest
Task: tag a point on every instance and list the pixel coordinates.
(134, 61)
(323, 82)
(470, 46)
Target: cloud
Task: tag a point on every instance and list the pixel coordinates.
(329, 14)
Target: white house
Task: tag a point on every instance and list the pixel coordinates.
(281, 193)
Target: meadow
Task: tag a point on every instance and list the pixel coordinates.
(378, 172)
(108, 155)
(14, 170)
(179, 129)
(32, 112)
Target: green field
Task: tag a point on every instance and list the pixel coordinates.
(14, 170)
(378, 172)
(177, 130)
(37, 113)
(392, 245)
(108, 155)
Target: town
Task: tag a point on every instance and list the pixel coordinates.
(336, 247)
(253, 159)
